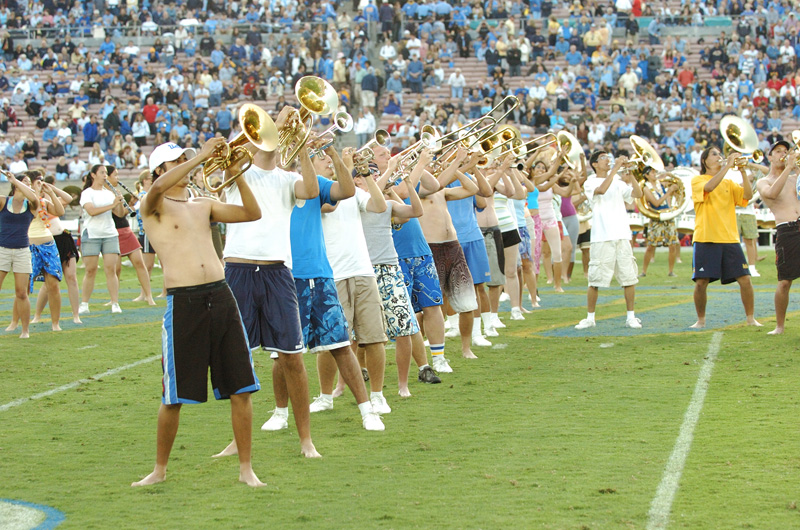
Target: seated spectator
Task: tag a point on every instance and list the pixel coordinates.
(54, 150)
(392, 107)
(62, 169)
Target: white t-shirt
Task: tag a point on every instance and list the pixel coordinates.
(344, 238)
(98, 226)
(268, 238)
(609, 216)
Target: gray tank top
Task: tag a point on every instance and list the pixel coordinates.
(378, 233)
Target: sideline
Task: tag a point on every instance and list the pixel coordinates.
(658, 516)
(68, 386)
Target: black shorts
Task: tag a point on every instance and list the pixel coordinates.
(202, 329)
(787, 251)
(719, 261)
(511, 238)
(267, 299)
(67, 249)
(147, 248)
(585, 239)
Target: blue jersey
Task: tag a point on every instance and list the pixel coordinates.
(409, 241)
(309, 256)
(462, 212)
(533, 199)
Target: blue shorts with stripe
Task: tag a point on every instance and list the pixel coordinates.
(718, 261)
(422, 281)
(477, 261)
(321, 315)
(202, 330)
(267, 299)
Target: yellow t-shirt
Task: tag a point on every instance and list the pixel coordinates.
(715, 212)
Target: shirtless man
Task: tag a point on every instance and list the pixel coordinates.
(197, 296)
(778, 191)
(440, 233)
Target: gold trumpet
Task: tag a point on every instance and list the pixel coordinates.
(257, 129)
(740, 136)
(365, 154)
(795, 147)
(316, 97)
(342, 122)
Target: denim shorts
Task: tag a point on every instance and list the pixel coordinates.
(100, 245)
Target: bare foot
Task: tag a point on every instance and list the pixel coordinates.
(469, 355)
(536, 305)
(76, 319)
(558, 290)
(56, 327)
(776, 331)
(761, 258)
(753, 322)
(162, 295)
(108, 303)
(151, 302)
(12, 326)
(26, 335)
(36, 320)
(139, 298)
(404, 392)
(308, 450)
(700, 324)
(231, 450)
(525, 310)
(338, 391)
(153, 478)
(249, 477)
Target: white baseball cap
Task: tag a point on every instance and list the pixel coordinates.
(167, 153)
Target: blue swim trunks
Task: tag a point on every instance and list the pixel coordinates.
(45, 259)
(477, 261)
(321, 315)
(422, 281)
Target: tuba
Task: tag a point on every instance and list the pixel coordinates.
(257, 129)
(316, 97)
(571, 147)
(740, 136)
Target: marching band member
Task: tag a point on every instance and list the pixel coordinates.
(659, 233)
(611, 254)
(777, 190)
(717, 254)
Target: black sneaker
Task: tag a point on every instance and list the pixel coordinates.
(427, 375)
(365, 374)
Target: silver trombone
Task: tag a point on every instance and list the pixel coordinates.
(342, 122)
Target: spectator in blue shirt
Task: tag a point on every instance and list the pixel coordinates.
(573, 56)
(90, 131)
(562, 46)
(414, 75)
(217, 56)
(224, 121)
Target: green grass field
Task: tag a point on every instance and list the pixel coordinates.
(550, 428)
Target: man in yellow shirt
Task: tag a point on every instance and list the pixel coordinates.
(717, 254)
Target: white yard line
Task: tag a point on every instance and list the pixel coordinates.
(68, 386)
(660, 508)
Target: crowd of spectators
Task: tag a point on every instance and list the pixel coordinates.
(604, 69)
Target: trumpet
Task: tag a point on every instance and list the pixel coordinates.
(257, 129)
(795, 148)
(363, 156)
(410, 157)
(316, 97)
(342, 122)
(116, 192)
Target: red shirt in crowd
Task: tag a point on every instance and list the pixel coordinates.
(149, 112)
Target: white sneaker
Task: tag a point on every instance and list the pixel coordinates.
(440, 364)
(753, 272)
(321, 403)
(83, 308)
(635, 323)
(497, 323)
(516, 314)
(480, 340)
(452, 333)
(277, 422)
(586, 323)
(372, 422)
(379, 405)
(504, 297)
(490, 332)
(115, 308)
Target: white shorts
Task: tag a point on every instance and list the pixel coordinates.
(16, 260)
(608, 259)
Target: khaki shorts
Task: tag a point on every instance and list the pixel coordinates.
(363, 308)
(747, 226)
(609, 259)
(16, 260)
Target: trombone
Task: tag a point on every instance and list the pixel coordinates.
(316, 97)
(257, 129)
(342, 122)
(428, 139)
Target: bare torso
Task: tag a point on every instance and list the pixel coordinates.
(181, 231)
(436, 222)
(785, 207)
(487, 217)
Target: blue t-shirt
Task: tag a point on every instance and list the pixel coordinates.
(519, 210)
(533, 199)
(409, 241)
(462, 212)
(309, 256)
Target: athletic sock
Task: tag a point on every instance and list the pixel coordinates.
(373, 395)
(494, 315)
(426, 365)
(476, 326)
(365, 408)
(329, 397)
(437, 349)
(487, 320)
(590, 317)
(283, 411)
(631, 315)
(453, 321)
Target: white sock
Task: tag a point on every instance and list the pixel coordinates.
(494, 315)
(373, 395)
(283, 411)
(590, 317)
(453, 320)
(327, 397)
(631, 315)
(421, 368)
(751, 268)
(365, 408)
(515, 309)
(476, 326)
(487, 320)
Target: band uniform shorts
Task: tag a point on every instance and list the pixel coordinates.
(719, 261)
